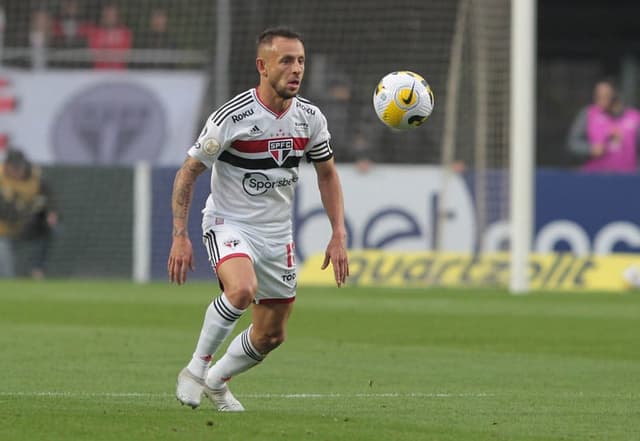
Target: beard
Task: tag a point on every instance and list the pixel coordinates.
(283, 91)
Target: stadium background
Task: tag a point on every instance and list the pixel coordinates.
(350, 46)
(97, 359)
(576, 46)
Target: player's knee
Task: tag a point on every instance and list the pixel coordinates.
(241, 295)
(269, 341)
(276, 340)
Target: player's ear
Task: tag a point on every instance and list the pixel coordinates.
(261, 66)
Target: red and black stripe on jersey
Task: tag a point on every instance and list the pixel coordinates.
(252, 154)
(257, 164)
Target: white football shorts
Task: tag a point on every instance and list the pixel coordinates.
(273, 257)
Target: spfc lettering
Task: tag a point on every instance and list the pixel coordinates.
(280, 149)
(240, 116)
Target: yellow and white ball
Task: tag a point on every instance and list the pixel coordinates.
(631, 276)
(403, 100)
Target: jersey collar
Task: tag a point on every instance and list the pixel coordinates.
(277, 115)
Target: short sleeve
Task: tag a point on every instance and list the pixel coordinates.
(208, 146)
(320, 148)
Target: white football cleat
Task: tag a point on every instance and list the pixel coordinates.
(189, 388)
(223, 399)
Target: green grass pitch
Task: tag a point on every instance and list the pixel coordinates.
(98, 361)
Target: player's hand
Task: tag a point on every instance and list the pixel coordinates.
(180, 258)
(336, 253)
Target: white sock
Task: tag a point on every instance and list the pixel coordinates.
(219, 321)
(241, 356)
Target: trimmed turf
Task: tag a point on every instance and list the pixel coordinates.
(98, 361)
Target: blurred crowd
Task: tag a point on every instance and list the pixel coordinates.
(603, 136)
(109, 40)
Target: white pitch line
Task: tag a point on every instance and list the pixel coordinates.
(286, 396)
(370, 395)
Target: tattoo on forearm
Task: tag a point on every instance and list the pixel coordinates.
(182, 201)
(182, 195)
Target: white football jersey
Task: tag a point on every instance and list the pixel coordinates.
(254, 154)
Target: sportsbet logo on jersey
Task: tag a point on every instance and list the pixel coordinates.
(257, 183)
(280, 149)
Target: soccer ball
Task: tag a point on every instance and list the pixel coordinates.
(403, 100)
(631, 276)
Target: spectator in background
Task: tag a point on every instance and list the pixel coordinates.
(39, 231)
(335, 98)
(69, 29)
(331, 88)
(157, 37)
(374, 143)
(110, 40)
(39, 38)
(24, 201)
(606, 134)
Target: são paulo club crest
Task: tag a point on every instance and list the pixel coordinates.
(280, 149)
(231, 243)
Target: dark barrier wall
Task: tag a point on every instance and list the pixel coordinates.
(94, 235)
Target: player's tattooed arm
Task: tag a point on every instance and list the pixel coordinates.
(183, 194)
(181, 254)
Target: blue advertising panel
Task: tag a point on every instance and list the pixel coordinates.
(598, 210)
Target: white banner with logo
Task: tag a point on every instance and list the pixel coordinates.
(396, 208)
(104, 118)
(390, 207)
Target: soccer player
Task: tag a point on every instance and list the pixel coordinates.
(253, 145)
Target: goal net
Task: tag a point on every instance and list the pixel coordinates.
(476, 117)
